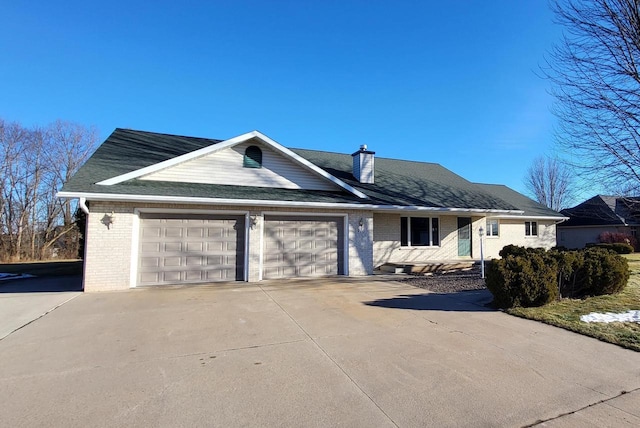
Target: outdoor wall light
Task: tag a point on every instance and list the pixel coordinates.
(253, 221)
(361, 224)
(108, 219)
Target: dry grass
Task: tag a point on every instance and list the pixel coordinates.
(566, 313)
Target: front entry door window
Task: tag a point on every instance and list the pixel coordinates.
(464, 236)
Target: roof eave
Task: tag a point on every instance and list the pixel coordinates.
(114, 197)
(539, 217)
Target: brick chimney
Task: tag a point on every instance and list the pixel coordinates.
(363, 165)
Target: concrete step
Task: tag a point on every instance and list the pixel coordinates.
(427, 267)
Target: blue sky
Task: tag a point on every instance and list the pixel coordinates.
(436, 81)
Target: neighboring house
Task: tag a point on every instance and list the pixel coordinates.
(166, 209)
(598, 215)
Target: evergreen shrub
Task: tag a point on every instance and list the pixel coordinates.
(534, 277)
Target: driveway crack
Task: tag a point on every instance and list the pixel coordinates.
(36, 319)
(603, 401)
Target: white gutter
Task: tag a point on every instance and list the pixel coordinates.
(254, 202)
(541, 217)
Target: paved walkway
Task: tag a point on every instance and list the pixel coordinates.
(308, 353)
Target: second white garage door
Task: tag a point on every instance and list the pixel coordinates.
(302, 246)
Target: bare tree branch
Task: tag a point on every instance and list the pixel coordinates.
(34, 163)
(596, 83)
(550, 182)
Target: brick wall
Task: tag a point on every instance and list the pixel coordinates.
(386, 236)
(386, 247)
(108, 249)
(512, 232)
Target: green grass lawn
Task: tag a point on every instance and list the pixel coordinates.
(566, 313)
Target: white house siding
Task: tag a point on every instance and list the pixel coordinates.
(111, 253)
(225, 167)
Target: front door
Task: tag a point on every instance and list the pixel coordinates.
(464, 236)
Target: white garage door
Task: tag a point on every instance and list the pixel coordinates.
(302, 246)
(183, 249)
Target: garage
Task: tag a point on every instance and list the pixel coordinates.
(303, 246)
(189, 249)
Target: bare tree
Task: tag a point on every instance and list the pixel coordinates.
(550, 182)
(34, 163)
(69, 145)
(596, 83)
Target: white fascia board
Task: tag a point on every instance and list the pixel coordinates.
(274, 203)
(471, 211)
(534, 217)
(223, 145)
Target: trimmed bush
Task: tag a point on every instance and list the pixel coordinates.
(535, 277)
(515, 250)
(618, 238)
(618, 247)
(526, 280)
(603, 272)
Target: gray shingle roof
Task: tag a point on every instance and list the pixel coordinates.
(397, 182)
(528, 205)
(602, 210)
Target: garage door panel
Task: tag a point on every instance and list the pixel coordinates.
(150, 261)
(150, 247)
(193, 232)
(178, 249)
(172, 261)
(171, 277)
(172, 247)
(193, 247)
(302, 246)
(193, 276)
(152, 232)
(173, 232)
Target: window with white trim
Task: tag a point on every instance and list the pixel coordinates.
(419, 231)
(493, 227)
(531, 228)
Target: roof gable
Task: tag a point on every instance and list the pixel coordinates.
(604, 210)
(302, 164)
(226, 166)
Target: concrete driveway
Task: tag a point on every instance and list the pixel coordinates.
(355, 353)
(24, 300)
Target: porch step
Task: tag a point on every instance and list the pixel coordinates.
(427, 267)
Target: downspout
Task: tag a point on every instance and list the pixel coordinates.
(82, 202)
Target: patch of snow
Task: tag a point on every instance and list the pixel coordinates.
(5, 276)
(629, 316)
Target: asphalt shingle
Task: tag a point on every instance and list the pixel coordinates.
(397, 182)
